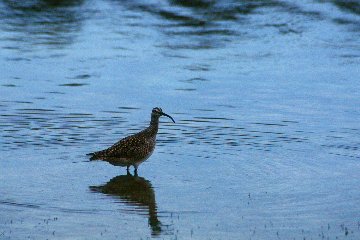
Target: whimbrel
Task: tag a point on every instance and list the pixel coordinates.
(134, 149)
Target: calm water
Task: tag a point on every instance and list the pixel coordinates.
(266, 99)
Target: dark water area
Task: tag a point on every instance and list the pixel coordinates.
(265, 95)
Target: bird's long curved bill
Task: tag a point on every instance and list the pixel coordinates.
(164, 114)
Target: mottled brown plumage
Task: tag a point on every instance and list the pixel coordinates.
(134, 149)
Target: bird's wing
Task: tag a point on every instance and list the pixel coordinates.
(133, 146)
(126, 147)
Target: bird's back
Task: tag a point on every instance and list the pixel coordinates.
(129, 149)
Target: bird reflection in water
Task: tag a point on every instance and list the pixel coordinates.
(136, 192)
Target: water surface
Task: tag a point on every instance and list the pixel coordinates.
(265, 95)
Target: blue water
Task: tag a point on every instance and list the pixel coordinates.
(265, 95)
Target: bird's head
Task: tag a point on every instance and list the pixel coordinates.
(157, 113)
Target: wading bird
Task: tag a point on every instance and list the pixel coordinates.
(134, 149)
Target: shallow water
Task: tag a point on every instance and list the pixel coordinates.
(265, 95)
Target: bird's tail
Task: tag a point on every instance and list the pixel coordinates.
(97, 155)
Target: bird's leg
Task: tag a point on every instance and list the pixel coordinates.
(127, 170)
(135, 171)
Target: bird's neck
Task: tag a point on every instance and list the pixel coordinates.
(154, 125)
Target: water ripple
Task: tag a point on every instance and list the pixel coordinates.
(47, 127)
